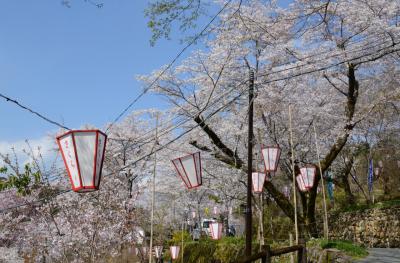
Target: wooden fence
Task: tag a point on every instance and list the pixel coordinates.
(267, 254)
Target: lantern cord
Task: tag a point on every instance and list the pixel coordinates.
(193, 127)
(145, 90)
(33, 112)
(366, 47)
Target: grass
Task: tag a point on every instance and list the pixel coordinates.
(382, 204)
(347, 247)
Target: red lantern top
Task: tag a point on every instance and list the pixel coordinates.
(271, 156)
(189, 169)
(258, 181)
(216, 230)
(83, 155)
(306, 178)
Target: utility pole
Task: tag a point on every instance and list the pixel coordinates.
(153, 193)
(249, 166)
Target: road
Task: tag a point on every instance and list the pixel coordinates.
(382, 255)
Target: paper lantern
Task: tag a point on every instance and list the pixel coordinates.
(380, 164)
(377, 171)
(174, 251)
(145, 251)
(136, 251)
(286, 191)
(306, 178)
(271, 156)
(189, 169)
(83, 155)
(193, 214)
(216, 230)
(258, 181)
(158, 251)
(215, 210)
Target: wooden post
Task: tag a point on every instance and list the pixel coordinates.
(183, 227)
(267, 254)
(302, 253)
(291, 244)
(326, 229)
(153, 194)
(294, 176)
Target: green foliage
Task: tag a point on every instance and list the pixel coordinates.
(162, 13)
(361, 207)
(23, 182)
(201, 252)
(347, 247)
(177, 238)
(229, 249)
(226, 250)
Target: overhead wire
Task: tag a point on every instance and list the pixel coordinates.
(33, 111)
(148, 87)
(221, 108)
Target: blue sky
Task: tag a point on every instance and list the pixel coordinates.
(75, 65)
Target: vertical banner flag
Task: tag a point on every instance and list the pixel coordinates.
(370, 175)
(329, 185)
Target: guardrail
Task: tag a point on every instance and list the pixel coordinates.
(268, 253)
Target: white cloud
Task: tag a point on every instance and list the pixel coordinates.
(45, 145)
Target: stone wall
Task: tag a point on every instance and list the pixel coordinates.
(378, 227)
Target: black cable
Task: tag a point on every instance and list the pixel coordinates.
(33, 112)
(145, 90)
(221, 108)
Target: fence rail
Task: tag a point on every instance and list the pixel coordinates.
(268, 253)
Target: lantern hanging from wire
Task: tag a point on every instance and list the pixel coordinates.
(215, 210)
(189, 169)
(306, 178)
(216, 230)
(145, 251)
(193, 214)
(271, 156)
(377, 171)
(286, 191)
(83, 155)
(258, 181)
(158, 251)
(174, 252)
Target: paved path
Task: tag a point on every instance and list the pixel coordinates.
(382, 255)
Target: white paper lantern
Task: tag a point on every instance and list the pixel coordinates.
(377, 171)
(258, 181)
(380, 164)
(158, 251)
(215, 210)
(216, 230)
(286, 191)
(193, 214)
(136, 251)
(306, 178)
(174, 251)
(83, 155)
(189, 169)
(145, 251)
(271, 156)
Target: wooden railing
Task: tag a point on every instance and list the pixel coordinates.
(268, 253)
